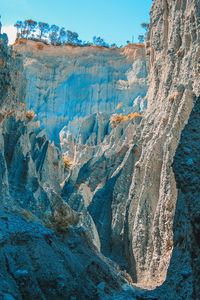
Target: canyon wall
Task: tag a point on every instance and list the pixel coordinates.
(27, 157)
(137, 181)
(65, 84)
(37, 261)
(173, 49)
(129, 186)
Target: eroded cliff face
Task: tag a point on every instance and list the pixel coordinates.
(137, 183)
(38, 262)
(128, 186)
(173, 49)
(65, 84)
(27, 157)
(12, 80)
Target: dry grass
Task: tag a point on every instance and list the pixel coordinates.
(67, 163)
(61, 219)
(22, 41)
(30, 115)
(119, 105)
(119, 119)
(27, 215)
(175, 96)
(39, 46)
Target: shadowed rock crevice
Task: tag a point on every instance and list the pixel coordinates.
(119, 177)
(187, 217)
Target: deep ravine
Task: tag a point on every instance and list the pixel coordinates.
(130, 190)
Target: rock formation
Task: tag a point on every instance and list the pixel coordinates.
(173, 48)
(36, 262)
(131, 184)
(27, 157)
(68, 83)
(132, 188)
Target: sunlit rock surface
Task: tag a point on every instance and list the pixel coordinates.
(129, 174)
(135, 185)
(37, 262)
(65, 84)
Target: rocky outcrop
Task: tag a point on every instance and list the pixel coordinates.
(28, 161)
(36, 263)
(136, 183)
(100, 179)
(132, 187)
(68, 83)
(182, 280)
(174, 82)
(12, 80)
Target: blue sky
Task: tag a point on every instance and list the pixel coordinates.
(114, 20)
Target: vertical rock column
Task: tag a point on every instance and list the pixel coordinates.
(173, 51)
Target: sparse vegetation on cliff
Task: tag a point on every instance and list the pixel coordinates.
(119, 119)
(61, 219)
(54, 35)
(30, 114)
(67, 163)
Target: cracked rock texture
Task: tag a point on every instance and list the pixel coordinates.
(65, 84)
(12, 80)
(28, 160)
(135, 185)
(36, 262)
(131, 188)
(174, 62)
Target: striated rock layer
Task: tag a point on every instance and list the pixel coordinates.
(28, 161)
(127, 183)
(65, 84)
(137, 182)
(37, 262)
(174, 52)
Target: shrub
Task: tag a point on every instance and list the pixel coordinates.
(30, 115)
(62, 218)
(27, 215)
(115, 120)
(67, 163)
(119, 119)
(39, 46)
(119, 105)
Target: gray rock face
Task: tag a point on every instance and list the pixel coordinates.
(174, 83)
(100, 180)
(12, 80)
(31, 167)
(133, 187)
(187, 216)
(122, 181)
(29, 163)
(36, 263)
(70, 83)
(183, 273)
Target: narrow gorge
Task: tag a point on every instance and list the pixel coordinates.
(100, 165)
